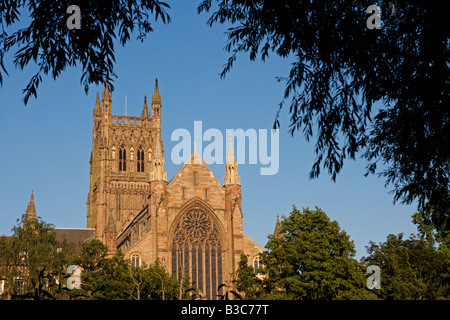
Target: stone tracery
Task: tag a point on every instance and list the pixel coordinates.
(197, 251)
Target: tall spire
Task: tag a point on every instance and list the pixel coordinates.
(145, 113)
(277, 231)
(231, 166)
(31, 209)
(156, 99)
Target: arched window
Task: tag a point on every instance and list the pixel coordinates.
(257, 265)
(122, 159)
(140, 160)
(135, 260)
(197, 252)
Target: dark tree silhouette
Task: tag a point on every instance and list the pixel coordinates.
(47, 41)
(342, 69)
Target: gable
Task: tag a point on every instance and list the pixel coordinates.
(195, 179)
(195, 164)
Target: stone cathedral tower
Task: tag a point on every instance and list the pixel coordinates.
(121, 163)
(192, 223)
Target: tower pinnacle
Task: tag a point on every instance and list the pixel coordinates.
(145, 113)
(106, 99)
(156, 99)
(97, 110)
(156, 105)
(106, 93)
(230, 158)
(231, 166)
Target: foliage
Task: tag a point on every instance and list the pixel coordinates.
(32, 265)
(102, 278)
(53, 47)
(228, 294)
(160, 285)
(247, 282)
(433, 222)
(113, 278)
(342, 71)
(410, 269)
(313, 260)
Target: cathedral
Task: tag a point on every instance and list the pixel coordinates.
(192, 223)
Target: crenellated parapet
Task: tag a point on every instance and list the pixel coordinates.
(132, 121)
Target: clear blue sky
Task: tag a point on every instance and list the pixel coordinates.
(46, 145)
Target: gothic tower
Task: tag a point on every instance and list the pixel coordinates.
(120, 164)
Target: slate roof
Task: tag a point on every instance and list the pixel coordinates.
(77, 236)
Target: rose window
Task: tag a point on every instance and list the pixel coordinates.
(196, 224)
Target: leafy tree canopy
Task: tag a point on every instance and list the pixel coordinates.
(30, 262)
(247, 282)
(52, 46)
(433, 221)
(112, 278)
(341, 69)
(410, 269)
(313, 259)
